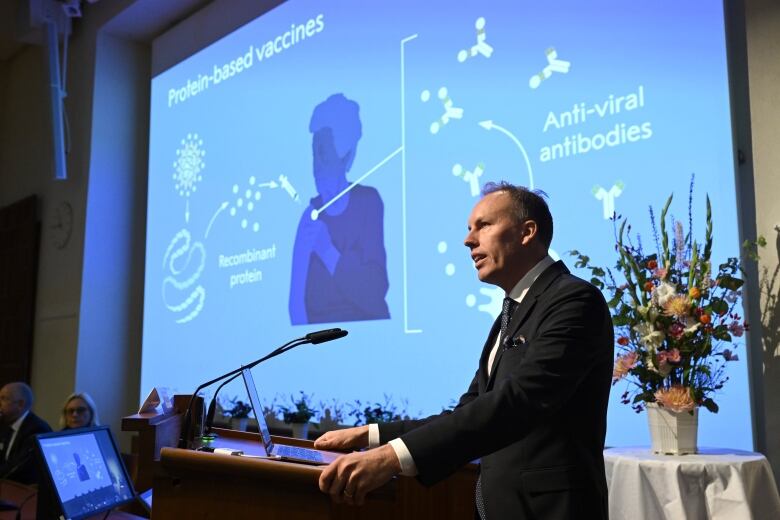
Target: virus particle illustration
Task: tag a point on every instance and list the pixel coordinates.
(188, 165)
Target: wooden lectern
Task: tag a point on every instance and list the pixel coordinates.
(199, 485)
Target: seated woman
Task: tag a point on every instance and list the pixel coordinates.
(79, 411)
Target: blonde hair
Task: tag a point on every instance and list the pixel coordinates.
(90, 404)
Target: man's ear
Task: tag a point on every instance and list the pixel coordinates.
(528, 231)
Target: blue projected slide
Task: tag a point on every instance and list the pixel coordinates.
(85, 471)
(316, 168)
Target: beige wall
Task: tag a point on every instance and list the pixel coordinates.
(763, 44)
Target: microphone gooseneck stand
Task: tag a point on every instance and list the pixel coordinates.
(313, 337)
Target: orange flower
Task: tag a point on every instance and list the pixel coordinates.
(623, 365)
(622, 340)
(676, 398)
(677, 306)
(705, 319)
(694, 293)
(652, 264)
(649, 286)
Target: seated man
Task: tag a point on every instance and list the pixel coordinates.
(18, 426)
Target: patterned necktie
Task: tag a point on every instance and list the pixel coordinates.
(507, 309)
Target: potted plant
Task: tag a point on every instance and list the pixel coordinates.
(378, 412)
(676, 318)
(298, 415)
(238, 411)
(331, 415)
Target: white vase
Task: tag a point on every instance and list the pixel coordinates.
(300, 430)
(672, 433)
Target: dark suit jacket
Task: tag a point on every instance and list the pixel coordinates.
(539, 421)
(21, 463)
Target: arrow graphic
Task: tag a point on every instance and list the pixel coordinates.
(221, 208)
(490, 125)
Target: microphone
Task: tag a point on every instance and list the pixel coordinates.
(312, 337)
(322, 336)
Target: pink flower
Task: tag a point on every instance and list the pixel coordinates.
(623, 365)
(736, 328)
(730, 356)
(660, 273)
(673, 356)
(676, 330)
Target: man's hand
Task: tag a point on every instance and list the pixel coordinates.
(350, 477)
(347, 439)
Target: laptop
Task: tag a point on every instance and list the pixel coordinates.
(282, 451)
(84, 473)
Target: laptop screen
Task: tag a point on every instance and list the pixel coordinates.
(85, 470)
(254, 400)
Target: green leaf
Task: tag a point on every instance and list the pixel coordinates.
(719, 306)
(616, 299)
(620, 320)
(710, 405)
(729, 282)
(721, 332)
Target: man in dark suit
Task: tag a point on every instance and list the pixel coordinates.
(536, 409)
(18, 426)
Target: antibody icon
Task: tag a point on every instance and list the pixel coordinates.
(470, 177)
(608, 197)
(450, 110)
(481, 47)
(553, 65)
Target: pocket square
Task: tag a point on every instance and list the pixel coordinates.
(514, 342)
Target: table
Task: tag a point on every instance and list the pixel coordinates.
(718, 484)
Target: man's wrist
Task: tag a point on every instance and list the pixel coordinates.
(405, 460)
(373, 439)
(392, 458)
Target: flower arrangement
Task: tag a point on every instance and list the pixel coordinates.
(674, 315)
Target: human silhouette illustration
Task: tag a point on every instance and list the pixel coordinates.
(81, 469)
(339, 267)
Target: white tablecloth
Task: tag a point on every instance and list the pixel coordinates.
(714, 484)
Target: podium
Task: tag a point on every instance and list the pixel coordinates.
(200, 485)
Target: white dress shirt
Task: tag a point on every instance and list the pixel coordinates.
(518, 292)
(15, 427)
